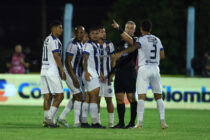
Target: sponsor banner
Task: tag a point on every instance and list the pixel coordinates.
(187, 93)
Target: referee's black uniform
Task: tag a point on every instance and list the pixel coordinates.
(125, 80)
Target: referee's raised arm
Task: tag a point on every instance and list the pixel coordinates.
(125, 36)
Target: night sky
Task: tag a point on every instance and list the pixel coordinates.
(21, 21)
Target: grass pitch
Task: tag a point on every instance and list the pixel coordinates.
(25, 123)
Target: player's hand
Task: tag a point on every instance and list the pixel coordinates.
(115, 24)
(102, 78)
(76, 82)
(87, 76)
(63, 75)
(111, 77)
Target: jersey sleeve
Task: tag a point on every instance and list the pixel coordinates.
(87, 49)
(54, 46)
(160, 45)
(139, 41)
(71, 49)
(111, 48)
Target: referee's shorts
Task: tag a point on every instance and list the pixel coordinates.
(125, 81)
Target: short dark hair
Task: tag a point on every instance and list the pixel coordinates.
(78, 27)
(93, 28)
(146, 25)
(55, 23)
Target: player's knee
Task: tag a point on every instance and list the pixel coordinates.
(60, 97)
(120, 101)
(108, 101)
(77, 97)
(157, 96)
(142, 96)
(47, 97)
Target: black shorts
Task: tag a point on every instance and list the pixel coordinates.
(125, 81)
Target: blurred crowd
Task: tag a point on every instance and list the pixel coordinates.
(201, 65)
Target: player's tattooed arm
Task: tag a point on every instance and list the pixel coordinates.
(128, 50)
(71, 71)
(59, 64)
(85, 65)
(126, 37)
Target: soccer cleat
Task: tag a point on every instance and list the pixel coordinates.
(45, 124)
(164, 125)
(49, 121)
(130, 126)
(85, 125)
(53, 125)
(122, 126)
(77, 125)
(97, 125)
(63, 122)
(110, 125)
(138, 126)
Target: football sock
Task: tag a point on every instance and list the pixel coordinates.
(140, 111)
(77, 110)
(121, 113)
(94, 112)
(85, 112)
(161, 109)
(67, 109)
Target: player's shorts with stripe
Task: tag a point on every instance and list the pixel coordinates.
(71, 86)
(51, 84)
(106, 89)
(148, 75)
(125, 81)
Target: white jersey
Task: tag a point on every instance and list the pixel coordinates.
(74, 49)
(107, 49)
(149, 53)
(49, 66)
(92, 49)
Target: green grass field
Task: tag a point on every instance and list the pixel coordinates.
(25, 123)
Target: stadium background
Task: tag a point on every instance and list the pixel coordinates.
(27, 22)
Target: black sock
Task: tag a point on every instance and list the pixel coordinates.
(121, 113)
(133, 110)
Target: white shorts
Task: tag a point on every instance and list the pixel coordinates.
(51, 84)
(148, 75)
(106, 90)
(71, 86)
(92, 84)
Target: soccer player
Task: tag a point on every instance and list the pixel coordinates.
(52, 73)
(107, 49)
(125, 83)
(91, 74)
(150, 51)
(74, 77)
(85, 38)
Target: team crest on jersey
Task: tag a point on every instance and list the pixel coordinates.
(107, 48)
(109, 90)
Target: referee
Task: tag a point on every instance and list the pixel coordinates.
(125, 79)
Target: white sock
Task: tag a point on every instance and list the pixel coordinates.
(54, 117)
(111, 118)
(94, 112)
(99, 118)
(161, 109)
(52, 112)
(67, 109)
(46, 112)
(77, 109)
(140, 111)
(85, 112)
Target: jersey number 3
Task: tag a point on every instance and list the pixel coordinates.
(154, 52)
